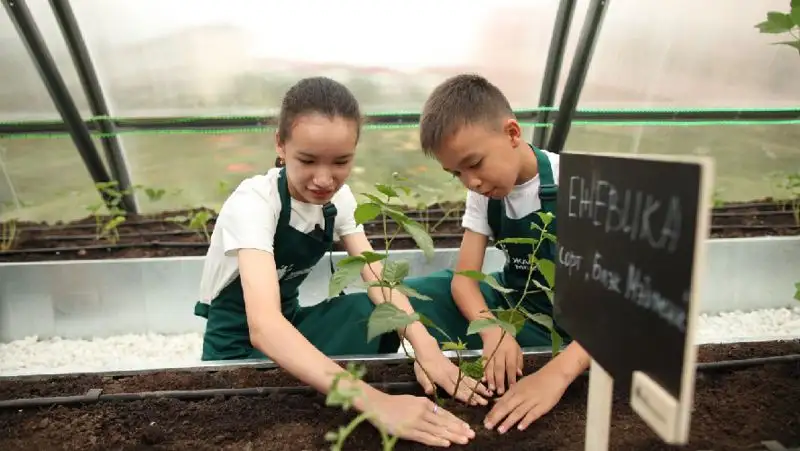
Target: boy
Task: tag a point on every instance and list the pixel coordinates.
(469, 127)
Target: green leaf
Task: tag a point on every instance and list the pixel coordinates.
(386, 190)
(797, 294)
(395, 271)
(540, 318)
(375, 199)
(794, 4)
(451, 346)
(387, 317)
(479, 325)
(546, 217)
(472, 368)
(349, 270)
(795, 14)
(777, 22)
(412, 293)
(548, 270)
(366, 212)
(372, 257)
(481, 277)
(530, 241)
(513, 317)
(413, 228)
(549, 236)
(556, 340)
(547, 291)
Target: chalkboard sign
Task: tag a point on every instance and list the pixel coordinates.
(630, 228)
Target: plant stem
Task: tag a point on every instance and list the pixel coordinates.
(349, 429)
(405, 329)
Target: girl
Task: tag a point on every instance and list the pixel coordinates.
(269, 235)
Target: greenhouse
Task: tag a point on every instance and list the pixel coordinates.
(670, 132)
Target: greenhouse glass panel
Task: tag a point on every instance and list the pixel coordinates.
(687, 54)
(23, 94)
(160, 58)
(44, 179)
(751, 161)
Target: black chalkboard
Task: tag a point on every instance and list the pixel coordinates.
(626, 233)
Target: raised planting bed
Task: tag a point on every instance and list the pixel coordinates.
(738, 405)
(184, 233)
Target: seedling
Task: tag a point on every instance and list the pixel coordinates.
(8, 234)
(196, 221)
(797, 291)
(387, 317)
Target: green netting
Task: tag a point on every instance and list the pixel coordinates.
(373, 126)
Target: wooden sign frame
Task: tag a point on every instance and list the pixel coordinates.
(668, 416)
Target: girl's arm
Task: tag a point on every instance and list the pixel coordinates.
(272, 334)
(357, 243)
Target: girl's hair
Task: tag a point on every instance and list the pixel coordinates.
(320, 95)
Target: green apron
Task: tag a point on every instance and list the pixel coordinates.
(443, 311)
(337, 326)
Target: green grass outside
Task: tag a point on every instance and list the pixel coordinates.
(198, 169)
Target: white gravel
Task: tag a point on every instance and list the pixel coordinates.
(134, 352)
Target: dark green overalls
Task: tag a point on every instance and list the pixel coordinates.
(337, 326)
(443, 311)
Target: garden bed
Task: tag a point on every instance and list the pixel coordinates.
(735, 408)
(164, 235)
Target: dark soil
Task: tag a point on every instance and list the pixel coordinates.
(156, 236)
(734, 409)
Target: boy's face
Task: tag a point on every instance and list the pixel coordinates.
(486, 160)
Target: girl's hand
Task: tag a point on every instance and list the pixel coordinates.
(444, 373)
(419, 419)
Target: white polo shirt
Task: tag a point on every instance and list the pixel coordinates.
(522, 201)
(248, 219)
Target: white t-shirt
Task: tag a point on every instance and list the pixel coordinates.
(248, 219)
(520, 202)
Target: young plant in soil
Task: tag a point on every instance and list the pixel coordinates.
(8, 234)
(196, 221)
(106, 225)
(387, 317)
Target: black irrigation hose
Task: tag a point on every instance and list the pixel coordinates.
(96, 395)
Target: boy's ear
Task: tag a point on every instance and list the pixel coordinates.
(513, 130)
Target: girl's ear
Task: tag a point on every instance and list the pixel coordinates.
(280, 161)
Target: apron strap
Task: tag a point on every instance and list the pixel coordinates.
(548, 190)
(548, 193)
(328, 212)
(286, 200)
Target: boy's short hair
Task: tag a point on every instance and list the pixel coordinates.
(461, 100)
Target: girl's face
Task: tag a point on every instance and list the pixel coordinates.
(319, 156)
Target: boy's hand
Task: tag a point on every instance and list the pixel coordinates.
(507, 360)
(533, 396)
